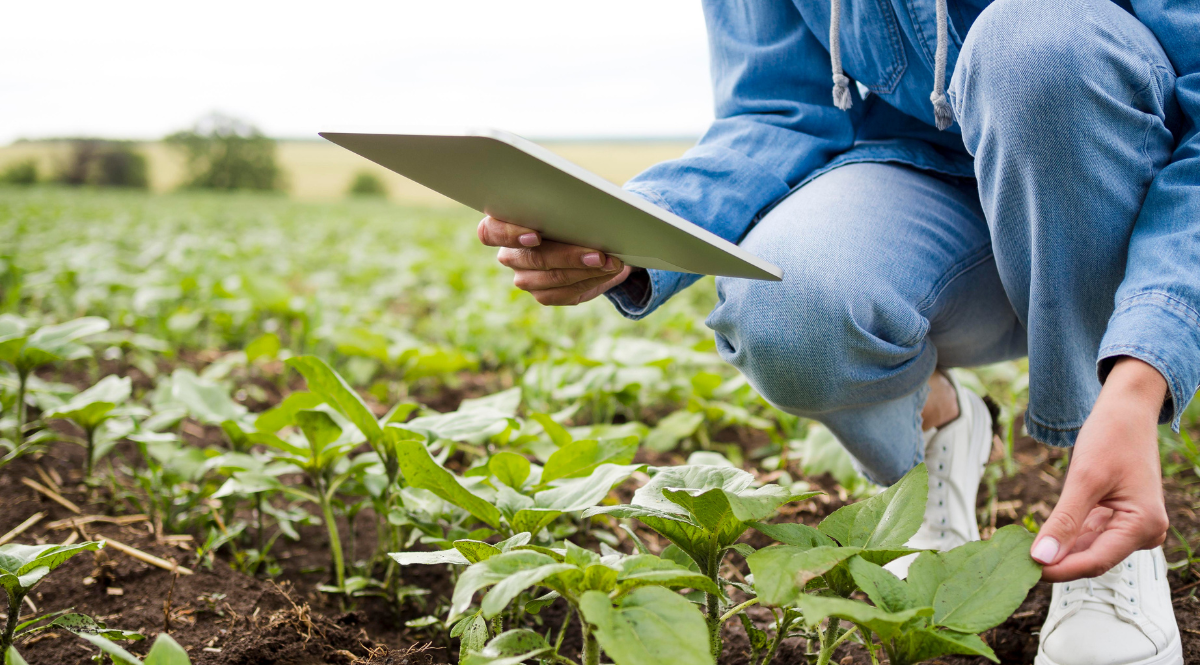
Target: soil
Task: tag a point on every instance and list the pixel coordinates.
(224, 617)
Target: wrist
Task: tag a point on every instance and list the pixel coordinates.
(1137, 384)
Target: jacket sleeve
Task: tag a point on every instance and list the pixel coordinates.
(1157, 315)
(775, 124)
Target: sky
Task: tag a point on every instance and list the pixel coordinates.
(541, 68)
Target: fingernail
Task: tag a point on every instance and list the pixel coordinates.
(1045, 550)
(528, 239)
(592, 260)
(611, 265)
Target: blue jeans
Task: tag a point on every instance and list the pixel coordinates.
(891, 271)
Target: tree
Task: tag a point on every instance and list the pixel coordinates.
(227, 153)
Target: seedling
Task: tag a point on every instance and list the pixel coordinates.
(92, 408)
(624, 601)
(703, 510)
(948, 596)
(27, 351)
(323, 461)
(21, 568)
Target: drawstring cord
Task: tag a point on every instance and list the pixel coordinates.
(841, 84)
(943, 115)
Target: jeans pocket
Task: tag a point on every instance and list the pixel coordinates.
(872, 46)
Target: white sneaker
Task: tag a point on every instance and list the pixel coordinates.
(1123, 617)
(955, 455)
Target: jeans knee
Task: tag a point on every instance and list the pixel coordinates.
(1031, 69)
(815, 348)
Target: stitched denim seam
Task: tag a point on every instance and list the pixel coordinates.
(1053, 428)
(1159, 298)
(899, 63)
(652, 196)
(916, 23)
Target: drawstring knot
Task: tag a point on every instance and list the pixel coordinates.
(841, 91)
(943, 115)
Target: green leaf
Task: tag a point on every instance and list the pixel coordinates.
(923, 644)
(331, 387)
(81, 623)
(557, 434)
(511, 572)
(881, 622)
(883, 588)
(888, 519)
(472, 635)
(476, 550)
(263, 346)
(533, 520)
(509, 648)
(712, 508)
(13, 658)
(700, 478)
(119, 655)
(782, 571)
(580, 458)
(92, 406)
(450, 556)
(205, 400)
(573, 494)
(688, 537)
(493, 570)
(989, 585)
(791, 533)
(647, 569)
(509, 468)
(648, 626)
(422, 472)
(57, 339)
(927, 572)
(318, 427)
(672, 429)
(16, 559)
(283, 415)
(166, 651)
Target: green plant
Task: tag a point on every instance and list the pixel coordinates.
(948, 596)
(590, 584)
(227, 153)
(92, 408)
(28, 350)
(24, 172)
(323, 460)
(21, 568)
(165, 651)
(703, 511)
(366, 183)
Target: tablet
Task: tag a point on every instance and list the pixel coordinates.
(518, 181)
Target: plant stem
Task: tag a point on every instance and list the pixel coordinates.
(259, 512)
(781, 628)
(91, 445)
(19, 440)
(734, 612)
(713, 602)
(335, 543)
(562, 632)
(10, 625)
(828, 643)
(591, 648)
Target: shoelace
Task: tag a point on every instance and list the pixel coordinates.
(1116, 589)
(936, 531)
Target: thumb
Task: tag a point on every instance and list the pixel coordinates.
(1057, 536)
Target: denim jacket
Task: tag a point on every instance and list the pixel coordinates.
(776, 128)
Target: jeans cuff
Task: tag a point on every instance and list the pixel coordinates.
(1163, 332)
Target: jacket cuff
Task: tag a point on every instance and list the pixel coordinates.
(1164, 332)
(662, 283)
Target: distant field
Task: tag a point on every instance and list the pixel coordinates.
(315, 170)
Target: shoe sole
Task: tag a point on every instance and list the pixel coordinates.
(1172, 655)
